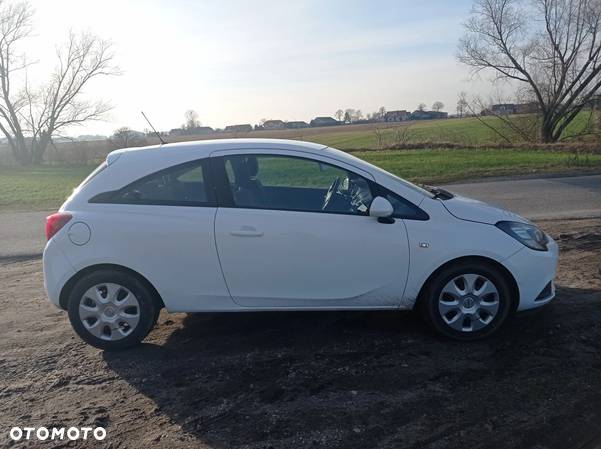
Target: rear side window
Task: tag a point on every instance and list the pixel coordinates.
(180, 185)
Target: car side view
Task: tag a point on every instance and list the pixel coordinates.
(261, 225)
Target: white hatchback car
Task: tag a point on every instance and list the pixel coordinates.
(256, 225)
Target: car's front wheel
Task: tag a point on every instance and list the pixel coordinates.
(467, 301)
(111, 309)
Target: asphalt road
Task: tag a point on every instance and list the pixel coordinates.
(541, 198)
(22, 233)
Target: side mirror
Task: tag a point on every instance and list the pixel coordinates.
(380, 208)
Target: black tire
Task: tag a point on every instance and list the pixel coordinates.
(429, 301)
(148, 308)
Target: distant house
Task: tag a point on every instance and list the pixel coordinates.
(200, 130)
(324, 121)
(274, 124)
(296, 125)
(397, 116)
(504, 109)
(527, 108)
(238, 128)
(196, 131)
(428, 115)
(511, 108)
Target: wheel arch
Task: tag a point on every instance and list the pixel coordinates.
(66, 290)
(515, 291)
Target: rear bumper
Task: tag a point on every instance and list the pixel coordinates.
(57, 271)
(534, 272)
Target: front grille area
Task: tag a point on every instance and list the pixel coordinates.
(546, 292)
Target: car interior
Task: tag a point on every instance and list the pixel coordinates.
(347, 192)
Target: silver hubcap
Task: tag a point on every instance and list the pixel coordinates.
(468, 302)
(109, 311)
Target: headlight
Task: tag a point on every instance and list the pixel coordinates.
(525, 233)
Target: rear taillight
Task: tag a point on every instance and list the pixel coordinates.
(55, 222)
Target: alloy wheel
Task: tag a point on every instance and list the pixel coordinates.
(468, 302)
(109, 311)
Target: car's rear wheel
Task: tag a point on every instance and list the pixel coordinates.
(467, 301)
(112, 310)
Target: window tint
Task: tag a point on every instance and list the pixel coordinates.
(403, 208)
(181, 185)
(292, 183)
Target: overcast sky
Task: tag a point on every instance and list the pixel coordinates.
(240, 61)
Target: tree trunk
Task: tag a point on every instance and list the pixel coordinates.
(39, 147)
(547, 130)
(22, 152)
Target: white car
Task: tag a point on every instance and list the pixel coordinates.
(257, 224)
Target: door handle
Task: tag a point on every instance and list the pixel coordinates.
(247, 231)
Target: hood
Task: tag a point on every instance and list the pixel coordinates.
(478, 211)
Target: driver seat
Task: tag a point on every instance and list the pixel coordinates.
(249, 190)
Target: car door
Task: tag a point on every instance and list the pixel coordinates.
(280, 245)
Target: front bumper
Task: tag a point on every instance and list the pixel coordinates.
(534, 272)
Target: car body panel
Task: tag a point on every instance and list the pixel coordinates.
(172, 247)
(57, 269)
(309, 260)
(444, 238)
(478, 211)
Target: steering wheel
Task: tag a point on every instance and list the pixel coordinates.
(333, 187)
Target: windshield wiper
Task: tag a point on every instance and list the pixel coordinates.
(439, 193)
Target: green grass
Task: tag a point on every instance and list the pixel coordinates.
(45, 188)
(467, 131)
(438, 166)
(470, 131)
(39, 188)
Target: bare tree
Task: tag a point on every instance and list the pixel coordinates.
(339, 115)
(192, 121)
(379, 134)
(508, 128)
(349, 115)
(462, 104)
(402, 135)
(437, 106)
(30, 117)
(551, 46)
(125, 137)
(421, 107)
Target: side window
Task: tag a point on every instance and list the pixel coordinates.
(403, 208)
(181, 185)
(293, 183)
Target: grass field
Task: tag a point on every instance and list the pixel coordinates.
(466, 131)
(38, 188)
(46, 187)
(462, 133)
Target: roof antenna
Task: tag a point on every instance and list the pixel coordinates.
(155, 131)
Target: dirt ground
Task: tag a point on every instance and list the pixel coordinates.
(296, 380)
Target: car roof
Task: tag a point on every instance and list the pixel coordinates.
(206, 147)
